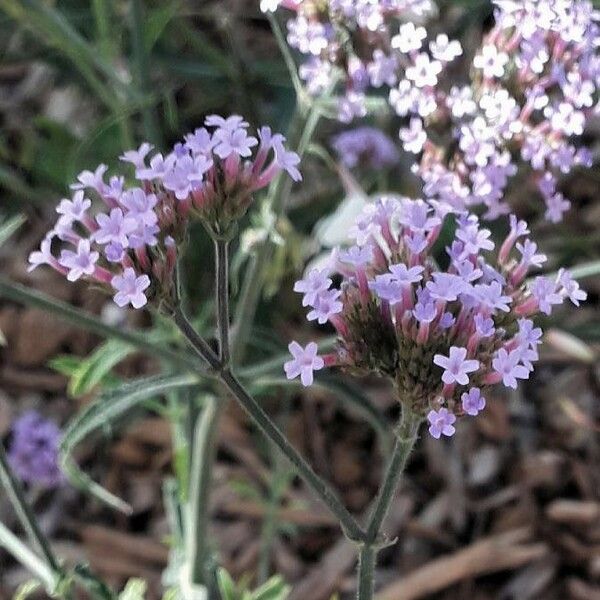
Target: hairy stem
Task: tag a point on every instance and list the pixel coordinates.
(222, 292)
(406, 436)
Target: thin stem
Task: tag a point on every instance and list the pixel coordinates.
(197, 342)
(406, 436)
(15, 493)
(405, 440)
(31, 561)
(349, 524)
(204, 451)
(366, 572)
(222, 292)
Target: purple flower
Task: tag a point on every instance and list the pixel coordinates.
(304, 363)
(544, 291)
(365, 146)
(474, 239)
(43, 256)
(95, 180)
(570, 288)
(233, 141)
(456, 366)
(528, 254)
(231, 123)
(445, 286)
(115, 227)
(130, 288)
(286, 160)
(137, 157)
(491, 296)
(357, 256)
(413, 137)
(387, 288)
(312, 286)
(473, 402)
(114, 252)
(507, 365)
(159, 167)
(33, 450)
(75, 209)
(484, 325)
(383, 69)
(144, 235)
(441, 422)
(325, 306)
(403, 275)
(425, 310)
(200, 142)
(529, 334)
(186, 175)
(80, 263)
(140, 206)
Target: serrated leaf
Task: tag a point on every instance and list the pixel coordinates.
(134, 590)
(26, 589)
(106, 410)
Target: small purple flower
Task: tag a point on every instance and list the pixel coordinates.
(43, 256)
(159, 167)
(130, 289)
(144, 235)
(456, 366)
(387, 288)
(325, 306)
(529, 334)
(491, 295)
(304, 363)
(570, 287)
(80, 263)
(365, 146)
(231, 123)
(95, 180)
(425, 310)
(75, 209)
(114, 227)
(403, 275)
(445, 286)
(287, 160)
(413, 137)
(114, 252)
(507, 365)
(200, 142)
(33, 450)
(441, 422)
(140, 205)
(544, 291)
(137, 157)
(484, 325)
(528, 254)
(357, 256)
(312, 286)
(473, 402)
(235, 141)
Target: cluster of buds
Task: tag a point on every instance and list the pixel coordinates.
(33, 450)
(128, 239)
(534, 84)
(366, 45)
(443, 336)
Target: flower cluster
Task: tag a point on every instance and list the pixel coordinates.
(443, 335)
(365, 147)
(534, 85)
(366, 44)
(130, 242)
(33, 451)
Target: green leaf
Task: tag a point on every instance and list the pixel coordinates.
(106, 410)
(134, 590)
(157, 21)
(9, 227)
(97, 366)
(227, 586)
(26, 589)
(274, 589)
(21, 294)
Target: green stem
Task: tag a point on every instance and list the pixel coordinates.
(222, 293)
(15, 493)
(349, 524)
(204, 452)
(406, 436)
(31, 561)
(367, 559)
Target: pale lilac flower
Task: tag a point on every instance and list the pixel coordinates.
(75, 209)
(424, 72)
(404, 275)
(445, 286)
(230, 123)
(409, 38)
(441, 422)
(413, 137)
(236, 141)
(140, 206)
(93, 180)
(445, 50)
(507, 365)
(137, 157)
(456, 366)
(43, 256)
(484, 325)
(473, 402)
(491, 62)
(80, 263)
(130, 289)
(570, 287)
(287, 160)
(357, 256)
(325, 306)
(382, 70)
(114, 227)
(387, 288)
(312, 286)
(365, 145)
(545, 292)
(304, 363)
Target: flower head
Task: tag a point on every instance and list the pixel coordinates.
(33, 450)
(305, 361)
(441, 422)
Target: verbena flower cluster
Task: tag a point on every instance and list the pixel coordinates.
(33, 451)
(534, 83)
(443, 334)
(365, 45)
(131, 243)
(366, 147)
